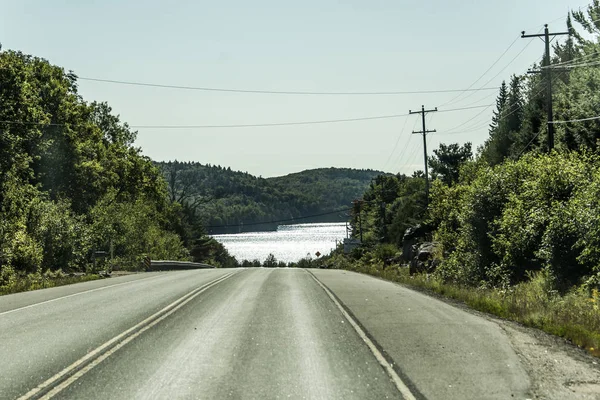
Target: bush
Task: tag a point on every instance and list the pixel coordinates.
(542, 211)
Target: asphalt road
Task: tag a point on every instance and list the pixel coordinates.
(249, 334)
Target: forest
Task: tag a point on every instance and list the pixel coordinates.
(226, 201)
(77, 196)
(74, 186)
(513, 229)
(516, 206)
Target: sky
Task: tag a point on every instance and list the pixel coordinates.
(276, 45)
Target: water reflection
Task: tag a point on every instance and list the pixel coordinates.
(288, 243)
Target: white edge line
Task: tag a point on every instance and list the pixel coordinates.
(402, 388)
(169, 309)
(74, 294)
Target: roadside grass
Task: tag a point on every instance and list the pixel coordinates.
(42, 281)
(574, 316)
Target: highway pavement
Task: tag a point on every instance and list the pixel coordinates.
(249, 334)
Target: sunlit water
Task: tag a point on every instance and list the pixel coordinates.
(289, 243)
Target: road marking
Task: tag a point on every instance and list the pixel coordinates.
(402, 388)
(102, 352)
(74, 294)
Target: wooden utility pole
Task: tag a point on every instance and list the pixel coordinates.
(548, 75)
(358, 204)
(424, 132)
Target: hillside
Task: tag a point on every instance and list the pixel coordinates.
(233, 201)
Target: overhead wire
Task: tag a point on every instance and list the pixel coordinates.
(415, 149)
(512, 109)
(572, 66)
(397, 142)
(282, 92)
(503, 69)
(467, 121)
(575, 120)
(486, 71)
(330, 121)
(401, 155)
(572, 61)
(529, 143)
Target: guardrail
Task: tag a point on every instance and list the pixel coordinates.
(167, 265)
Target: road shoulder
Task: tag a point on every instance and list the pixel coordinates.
(555, 369)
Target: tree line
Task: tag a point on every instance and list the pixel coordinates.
(227, 201)
(77, 195)
(73, 184)
(514, 208)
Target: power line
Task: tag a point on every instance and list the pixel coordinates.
(572, 66)
(330, 121)
(502, 70)
(575, 120)
(396, 145)
(486, 71)
(572, 61)
(466, 108)
(527, 145)
(511, 107)
(548, 76)
(482, 99)
(282, 92)
(424, 132)
(397, 160)
(469, 120)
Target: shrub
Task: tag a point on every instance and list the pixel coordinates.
(542, 211)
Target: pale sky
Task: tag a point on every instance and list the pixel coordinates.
(309, 45)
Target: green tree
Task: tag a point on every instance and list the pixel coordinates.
(506, 123)
(71, 180)
(500, 105)
(446, 162)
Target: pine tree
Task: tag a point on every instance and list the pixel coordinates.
(500, 103)
(513, 112)
(506, 122)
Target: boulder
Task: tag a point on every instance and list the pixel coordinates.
(422, 260)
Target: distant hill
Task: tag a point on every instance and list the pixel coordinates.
(233, 201)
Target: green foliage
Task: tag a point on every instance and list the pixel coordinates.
(506, 122)
(574, 315)
(448, 159)
(519, 228)
(71, 182)
(270, 261)
(390, 205)
(521, 216)
(208, 250)
(216, 196)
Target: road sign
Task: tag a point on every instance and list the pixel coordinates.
(318, 254)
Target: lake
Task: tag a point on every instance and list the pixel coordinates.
(289, 243)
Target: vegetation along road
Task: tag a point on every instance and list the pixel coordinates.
(265, 333)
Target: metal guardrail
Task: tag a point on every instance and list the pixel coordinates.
(167, 265)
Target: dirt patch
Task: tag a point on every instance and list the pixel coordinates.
(557, 369)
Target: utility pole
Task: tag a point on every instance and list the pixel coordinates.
(548, 75)
(424, 132)
(358, 204)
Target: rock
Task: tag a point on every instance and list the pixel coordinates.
(422, 260)
(411, 237)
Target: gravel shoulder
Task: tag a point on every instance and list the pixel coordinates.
(552, 367)
(557, 369)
